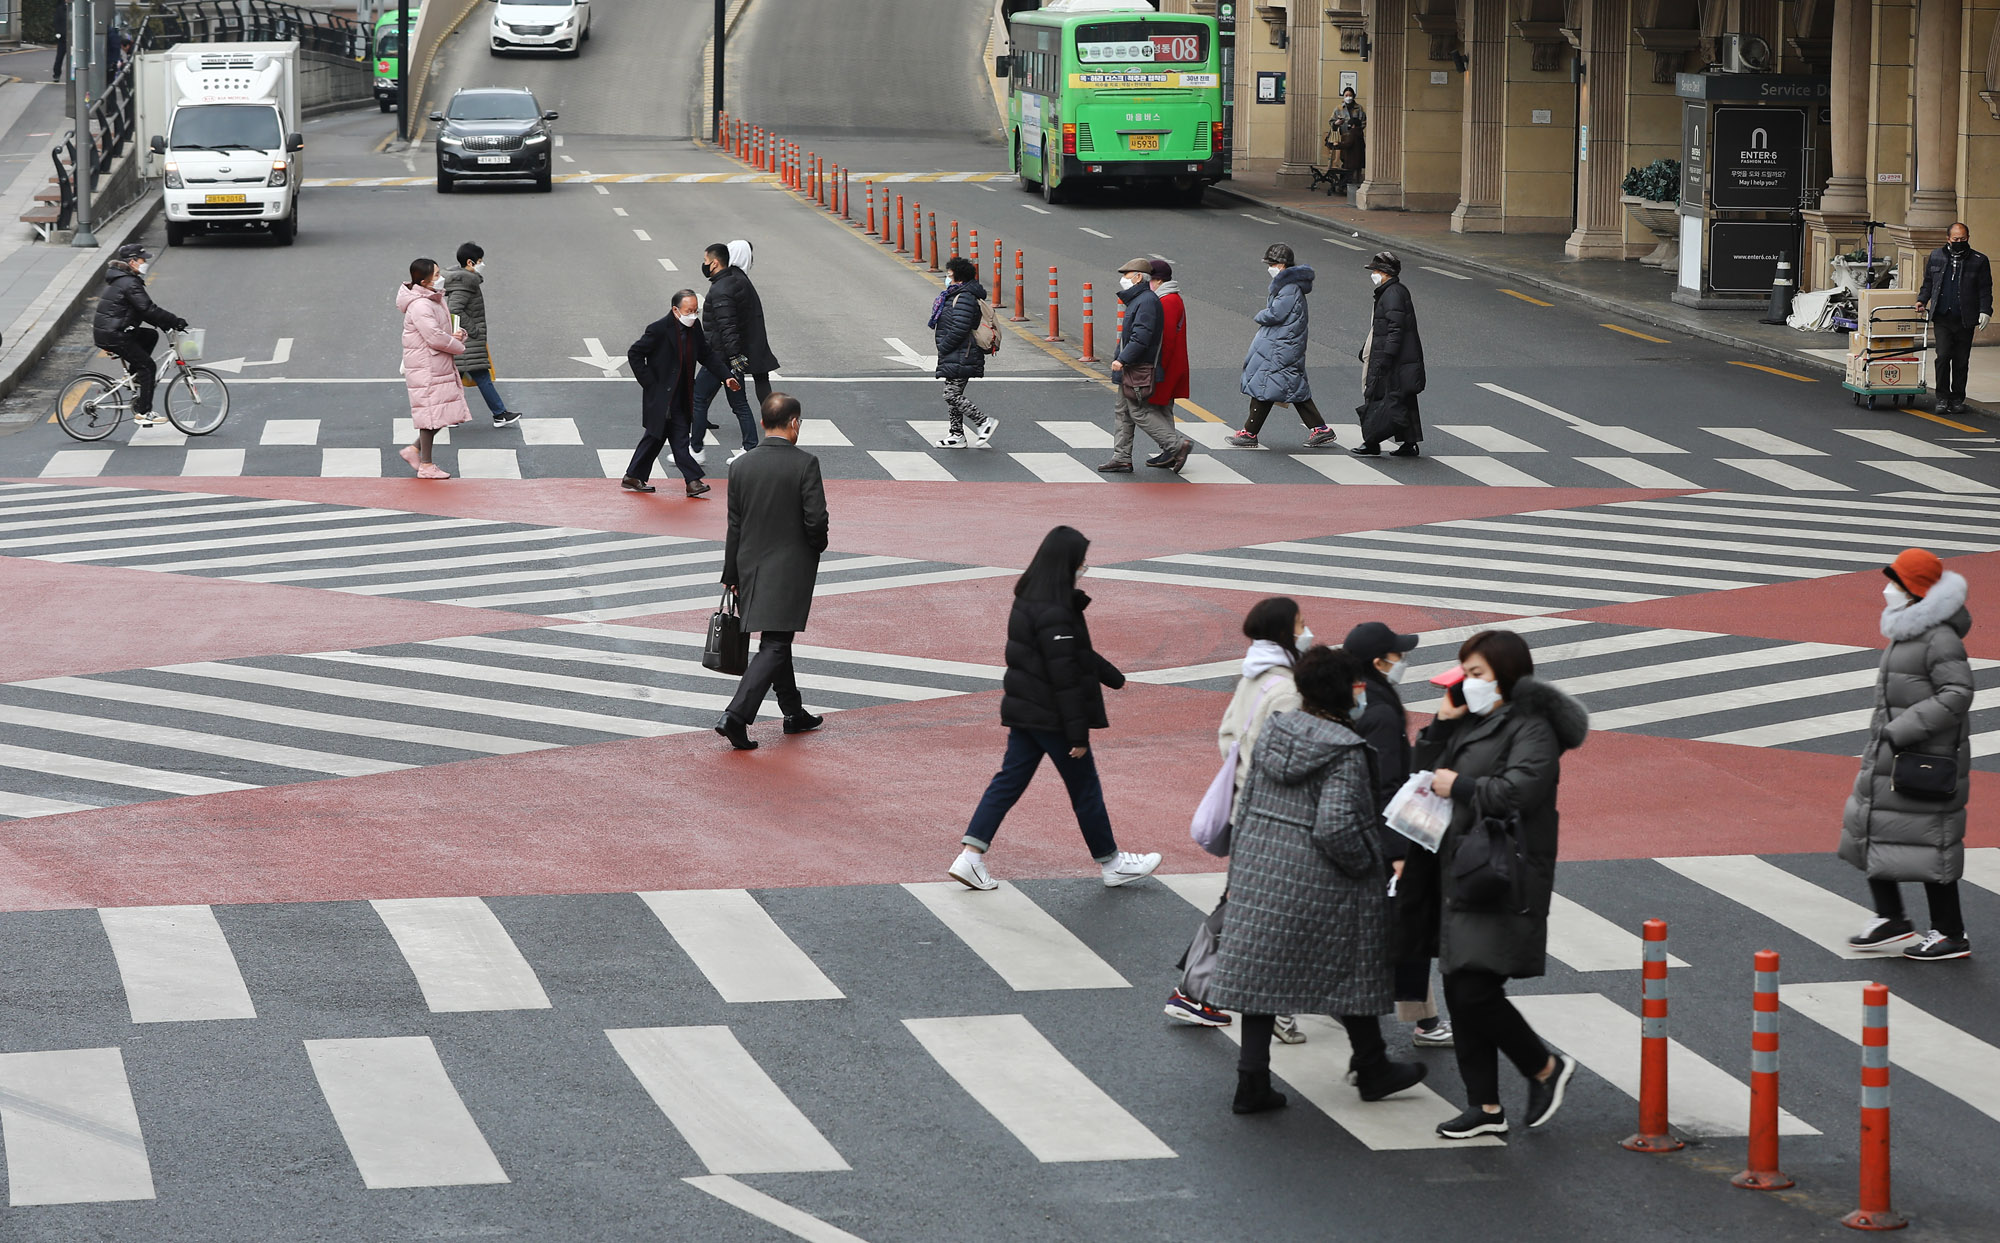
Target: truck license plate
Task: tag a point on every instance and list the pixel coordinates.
(495, 159)
(222, 198)
(1144, 142)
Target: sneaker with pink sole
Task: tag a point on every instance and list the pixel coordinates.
(409, 454)
(431, 470)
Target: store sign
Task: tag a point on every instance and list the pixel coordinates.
(1742, 258)
(1759, 158)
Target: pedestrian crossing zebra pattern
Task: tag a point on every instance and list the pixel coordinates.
(739, 1079)
(209, 727)
(568, 572)
(1845, 461)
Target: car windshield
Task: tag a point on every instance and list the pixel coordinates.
(226, 125)
(494, 107)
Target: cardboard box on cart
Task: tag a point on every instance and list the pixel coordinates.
(1886, 319)
(1905, 371)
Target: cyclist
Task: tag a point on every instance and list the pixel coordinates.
(123, 312)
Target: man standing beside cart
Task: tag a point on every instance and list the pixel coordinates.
(1957, 295)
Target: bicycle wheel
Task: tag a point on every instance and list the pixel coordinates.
(88, 409)
(197, 401)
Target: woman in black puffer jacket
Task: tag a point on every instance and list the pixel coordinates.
(1053, 699)
(955, 320)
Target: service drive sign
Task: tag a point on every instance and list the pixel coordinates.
(1758, 158)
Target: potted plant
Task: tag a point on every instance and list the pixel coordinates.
(1650, 194)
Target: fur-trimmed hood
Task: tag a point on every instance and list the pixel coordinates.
(1298, 274)
(1945, 605)
(1293, 746)
(1569, 719)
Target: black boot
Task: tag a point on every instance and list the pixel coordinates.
(1254, 1093)
(1386, 1078)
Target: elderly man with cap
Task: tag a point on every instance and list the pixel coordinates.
(1385, 726)
(123, 312)
(1392, 362)
(1135, 369)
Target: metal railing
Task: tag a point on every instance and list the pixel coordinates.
(251, 21)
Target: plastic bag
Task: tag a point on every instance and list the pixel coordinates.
(1210, 826)
(1419, 814)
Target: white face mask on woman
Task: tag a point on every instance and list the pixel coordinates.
(1893, 596)
(1304, 640)
(1377, 277)
(1482, 695)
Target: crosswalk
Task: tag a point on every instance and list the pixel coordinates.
(1854, 460)
(733, 1091)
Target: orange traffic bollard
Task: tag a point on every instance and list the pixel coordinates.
(902, 239)
(1055, 325)
(1089, 354)
(972, 250)
(934, 248)
(954, 239)
(1654, 1135)
(1020, 315)
(999, 290)
(871, 207)
(917, 255)
(1762, 1172)
(1874, 1212)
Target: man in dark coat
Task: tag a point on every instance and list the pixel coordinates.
(1134, 368)
(777, 531)
(1393, 362)
(663, 361)
(733, 317)
(124, 310)
(465, 297)
(1957, 294)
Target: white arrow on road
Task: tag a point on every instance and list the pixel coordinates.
(279, 356)
(597, 358)
(909, 357)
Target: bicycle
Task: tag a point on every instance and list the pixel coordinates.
(91, 406)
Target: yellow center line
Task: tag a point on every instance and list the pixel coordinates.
(1642, 336)
(1925, 414)
(1197, 410)
(1774, 371)
(1525, 298)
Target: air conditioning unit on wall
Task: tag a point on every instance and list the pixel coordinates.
(1741, 53)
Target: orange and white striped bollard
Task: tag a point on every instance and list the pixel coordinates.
(1761, 1172)
(1654, 1134)
(1089, 354)
(1055, 324)
(1873, 1212)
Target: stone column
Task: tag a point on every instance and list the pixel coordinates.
(1481, 147)
(1382, 180)
(1935, 204)
(1600, 217)
(1305, 120)
(1835, 227)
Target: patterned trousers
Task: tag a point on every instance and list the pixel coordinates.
(960, 405)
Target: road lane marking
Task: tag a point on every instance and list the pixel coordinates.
(738, 946)
(616, 211)
(175, 964)
(1637, 473)
(1281, 587)
(350, 463)
(1490, 439)
(1784, 474)
(1057, 468)
(461, 955)
(550, 431)
(1819, 915)
(1630, 333)
(207, 745)
(76, 463)
(404, 1123)
(72, 1130)
(1925, 414)
(1343, 469)
(1041, 211)
(912, 466)
(1583, 940)
(734, 1116)
(1933, 1050)
(1024, 944)
(290, 432)
(1490, 471)
(1029, 1087)
(1337, 242)
(669, 264)
(1897, 442)
(1457, 276)
(642, 235)
(792, 1221)
(1516, 294)
(604, 190)
(213, 463)
(1095, 233)
(1774, 371)
(1259, 219)
(1933, 477)
(1764, 442)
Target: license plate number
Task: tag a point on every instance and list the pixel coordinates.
(1144, 142)
(223, 198)
(496, 159)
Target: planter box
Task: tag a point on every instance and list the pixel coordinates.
(1663, 221)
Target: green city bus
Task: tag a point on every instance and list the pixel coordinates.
(388, 51)
(1111, 92)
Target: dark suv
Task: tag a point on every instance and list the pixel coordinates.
(494, 133)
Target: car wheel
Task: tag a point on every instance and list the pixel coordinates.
(545, 180)
(176, 233)
(384, 103)
(444, 182)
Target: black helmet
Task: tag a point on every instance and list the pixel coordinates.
(133, 250)
(1386, 262)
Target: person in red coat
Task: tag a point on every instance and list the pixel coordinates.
(1171, 380)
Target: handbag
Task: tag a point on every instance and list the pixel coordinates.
(1927, 778)
(1489, 866)
(1136, 381)
(1203, 954)
(1210, 826)
(1381, 418)
(727, 649)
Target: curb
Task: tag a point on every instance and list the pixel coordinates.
(54, 319)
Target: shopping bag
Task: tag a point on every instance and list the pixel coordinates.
(1210, 827)
(1418, 813)
(1198, 964)
(1381, 418)
(728, 647)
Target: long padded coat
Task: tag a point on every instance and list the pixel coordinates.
(1923, 699)
(1509, 760)
(436, 399)
(464, 297)
(1396, 349)
(1307, 928)
(1275, 368)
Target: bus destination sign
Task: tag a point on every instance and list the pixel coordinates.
(1160, 49)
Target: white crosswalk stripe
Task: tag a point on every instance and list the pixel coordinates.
(72, 1129)
(461, 955)
(404, 1123)
(1025, 945)
(176, 964)
(1943, 1055)
(727, 1108)
(739, 947)
(1819, 915)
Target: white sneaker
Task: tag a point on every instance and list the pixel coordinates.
(1126, 867)
(700, 456)
(982, 431)
(736, 453)
(969, 869)
(150, 420)
(950, 440)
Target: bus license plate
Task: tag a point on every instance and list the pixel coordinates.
(496, 159)
(1144, 142)
(223, 198)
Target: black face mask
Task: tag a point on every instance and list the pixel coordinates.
(1960, 246)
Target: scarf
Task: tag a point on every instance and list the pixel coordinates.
(937, 303)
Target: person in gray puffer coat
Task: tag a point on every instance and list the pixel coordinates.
(1923, 701)
(1307, 928)
(465, 296)
(1274, 371)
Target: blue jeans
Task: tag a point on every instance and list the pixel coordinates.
(706, 385)
(1025, 749)
(484, 379)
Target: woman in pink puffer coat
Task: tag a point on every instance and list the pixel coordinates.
(429, 342)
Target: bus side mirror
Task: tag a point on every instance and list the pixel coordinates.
(1003, 66)
(158, 145)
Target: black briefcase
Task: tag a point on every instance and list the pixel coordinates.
(728, 647)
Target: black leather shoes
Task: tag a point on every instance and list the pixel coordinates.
(1115, 467)
(1367, 450)
(637, 485)
(737, 733)
(696, 488)
(1180, 457)
(1404, 450)
(803, 723)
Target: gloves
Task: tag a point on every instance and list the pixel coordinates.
(1983, 318)
(180, 325)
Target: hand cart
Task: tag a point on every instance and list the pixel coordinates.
(1886, 358)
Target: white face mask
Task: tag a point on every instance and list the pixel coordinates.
(140, 269)
(1377, 277)
(1482, 695)
(480, 267)
(1127, 281)
(1893, 596)
(1276, 268)
(1360, 704)
(1394, 673)
(1304, 641)
(687, 320)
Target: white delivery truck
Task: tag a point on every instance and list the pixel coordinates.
(220, 123)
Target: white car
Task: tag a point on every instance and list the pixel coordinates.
(540, 26)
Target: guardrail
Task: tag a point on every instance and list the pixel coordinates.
(253, 21)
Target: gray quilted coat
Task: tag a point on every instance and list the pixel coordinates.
(1275, 369)
(1923, 697)
(1307, 926)
(464, 298)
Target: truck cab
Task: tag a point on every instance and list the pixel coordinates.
(222, 123)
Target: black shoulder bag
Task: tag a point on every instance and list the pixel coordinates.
(1490, 867)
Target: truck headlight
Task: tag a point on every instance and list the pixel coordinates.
(279, 175)
(173, 176)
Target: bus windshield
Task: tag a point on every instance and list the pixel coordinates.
(1142, 42)
(251, 126)
(389, 43)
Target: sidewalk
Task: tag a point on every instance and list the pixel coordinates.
(1535, 263)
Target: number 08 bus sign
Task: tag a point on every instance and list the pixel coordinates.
(1158, 50)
